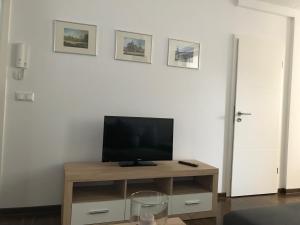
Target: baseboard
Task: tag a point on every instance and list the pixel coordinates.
(222, 196)
(37, 210)
(281, 191)
(289, 191)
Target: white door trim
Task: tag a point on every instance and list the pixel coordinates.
(4, 49)
(268, 8)
(229, 124)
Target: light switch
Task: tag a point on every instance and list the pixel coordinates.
(29, 97)
(20, 96)
(24, 96)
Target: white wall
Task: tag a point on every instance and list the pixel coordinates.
(74, 92)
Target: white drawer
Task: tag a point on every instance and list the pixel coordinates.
(127, 210)
(97, 212)
(190, 203)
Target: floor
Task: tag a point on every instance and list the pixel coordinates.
(224, 206)
(227, 205)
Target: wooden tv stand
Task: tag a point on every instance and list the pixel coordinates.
(98, 192)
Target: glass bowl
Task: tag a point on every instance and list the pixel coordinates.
(148, 208)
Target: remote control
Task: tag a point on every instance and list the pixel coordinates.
(188, 163)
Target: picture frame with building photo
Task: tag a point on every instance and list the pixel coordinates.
(185, 54)
(76, 38)
(132, 46)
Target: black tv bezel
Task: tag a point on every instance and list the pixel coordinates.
(137, 161)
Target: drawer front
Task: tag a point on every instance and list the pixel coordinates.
(127, 209)
(190, 203)
(97, 212)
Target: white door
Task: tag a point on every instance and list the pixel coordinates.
(257, 125)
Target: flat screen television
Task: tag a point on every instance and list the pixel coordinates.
(134, 141)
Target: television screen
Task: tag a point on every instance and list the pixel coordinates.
(137, 139)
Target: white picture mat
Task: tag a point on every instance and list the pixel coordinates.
(174, 44)
(121, 35)
(59, 27)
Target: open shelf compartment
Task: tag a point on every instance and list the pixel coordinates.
(98, 191)
(192, 185)
(163, 185)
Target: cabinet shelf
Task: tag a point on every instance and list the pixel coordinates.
(98, 192)
(192, 185)
(132, 188)
(160, 185)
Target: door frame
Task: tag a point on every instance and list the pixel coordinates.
(229, 121)
(230, 114)
(4, 59)
(294, 16)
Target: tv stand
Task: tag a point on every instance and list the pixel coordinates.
(136, 163)
(96, 192)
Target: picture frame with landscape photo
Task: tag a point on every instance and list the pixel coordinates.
(132, 46)
(185, 54)
(76, 38)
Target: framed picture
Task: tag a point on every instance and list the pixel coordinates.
(184, 54)
(133, 47)
(75, 38)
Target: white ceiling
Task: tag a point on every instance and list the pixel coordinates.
(288, 3)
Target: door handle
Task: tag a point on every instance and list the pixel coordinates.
(243, 114)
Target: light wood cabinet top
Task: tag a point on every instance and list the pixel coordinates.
(94, 171)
